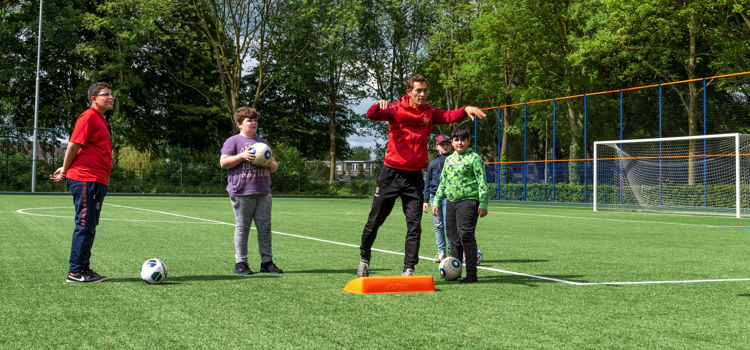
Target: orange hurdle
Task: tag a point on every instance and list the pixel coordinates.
(390, 284)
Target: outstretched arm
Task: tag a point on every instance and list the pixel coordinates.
(472, 112)
(440, 116)
(379, 111)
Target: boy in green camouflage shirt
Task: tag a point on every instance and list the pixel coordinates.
(463, 183)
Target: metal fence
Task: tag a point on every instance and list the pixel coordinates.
(541, 162)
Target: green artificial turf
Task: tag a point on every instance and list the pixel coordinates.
(203, 305)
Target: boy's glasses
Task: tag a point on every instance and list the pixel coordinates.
(109, 94)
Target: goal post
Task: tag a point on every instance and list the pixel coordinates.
(693, 174)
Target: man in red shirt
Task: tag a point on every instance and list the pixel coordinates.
(410, 123)
(87, 166)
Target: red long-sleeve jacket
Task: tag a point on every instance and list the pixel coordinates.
(409, 130)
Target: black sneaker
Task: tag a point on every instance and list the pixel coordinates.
(270, 267)
(242, 268)
(95, 276)
(85, 276)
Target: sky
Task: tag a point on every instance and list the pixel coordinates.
(364, 141)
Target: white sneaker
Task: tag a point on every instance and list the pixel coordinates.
(408, 272)
(479, 257)
(439, 257)
(363, 270)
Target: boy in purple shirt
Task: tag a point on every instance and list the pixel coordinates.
(249, 188)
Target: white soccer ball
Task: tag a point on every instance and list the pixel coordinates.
(262, 152)
(450, 268)
(154, 271)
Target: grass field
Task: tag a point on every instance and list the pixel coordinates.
(674, 281)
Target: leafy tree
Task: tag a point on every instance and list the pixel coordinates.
(62, 84)
(241, 34)
(164, 97)
(674, 40)
(360, 153)
(392, 34)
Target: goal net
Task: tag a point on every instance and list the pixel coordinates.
(695, 174)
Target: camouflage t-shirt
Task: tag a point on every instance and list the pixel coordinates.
(463, 178)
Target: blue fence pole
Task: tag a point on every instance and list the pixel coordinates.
(661, 183)
(499, 154)
(554, 140)
(705, 167)
(525, 117)
(585, 141)
(619, 196)
(476, 120)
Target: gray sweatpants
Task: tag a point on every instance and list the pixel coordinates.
(247, 209)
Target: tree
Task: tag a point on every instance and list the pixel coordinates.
(337, 64)
(674, 40)
(165, 94)
(392, 34)
(445, 45)
(239, 34)
(62, 84)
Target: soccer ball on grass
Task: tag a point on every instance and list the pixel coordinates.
(154, 271)
(450, 268)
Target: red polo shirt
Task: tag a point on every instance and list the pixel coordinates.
(94, 159)
(409, 129)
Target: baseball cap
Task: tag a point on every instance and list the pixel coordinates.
(442, 138)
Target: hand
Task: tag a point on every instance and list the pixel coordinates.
(482, 212)
(58, 175)
(425, 207)
(382, 104)
(248, 156)
(472, 112)
(435, 210)
(272, 164)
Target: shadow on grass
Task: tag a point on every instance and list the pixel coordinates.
(517, 261)
(341, 271)
(180, 279)
(225, 277)
(744, 295)
(515, 279)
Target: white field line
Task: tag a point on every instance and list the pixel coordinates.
(25, 212)
(21, 211)
(615, 220)
(663, 282)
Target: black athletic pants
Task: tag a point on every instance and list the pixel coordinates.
(460, 226)
(392, 184)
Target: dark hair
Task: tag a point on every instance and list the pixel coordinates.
(242, 113)
(96, 87)
(419, 78)
(460, 132)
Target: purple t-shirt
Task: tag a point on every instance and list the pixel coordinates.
(246, 178)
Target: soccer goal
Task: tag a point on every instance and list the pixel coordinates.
(694, 174)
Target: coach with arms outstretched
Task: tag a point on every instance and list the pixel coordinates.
(410, 123)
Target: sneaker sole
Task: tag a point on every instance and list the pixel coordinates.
(242, 273)
(75, 281)
(266, 271)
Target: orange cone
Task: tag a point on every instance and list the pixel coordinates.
(390, 284)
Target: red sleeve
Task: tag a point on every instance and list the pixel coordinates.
(81, 129)
(377, 114)
(441, 116)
